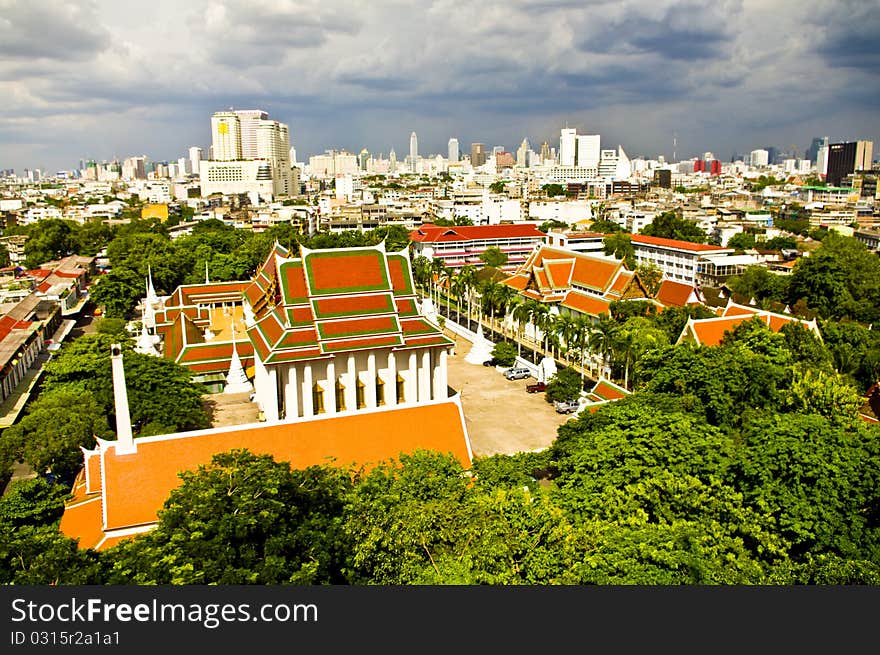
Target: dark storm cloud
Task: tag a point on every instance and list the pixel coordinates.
(685, 30)
(247, 35)
(852, 37)
(39, 29)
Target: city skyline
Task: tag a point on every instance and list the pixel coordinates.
(88, 82)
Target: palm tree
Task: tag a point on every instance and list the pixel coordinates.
(458, 286)
(562, 328)
(437, 268)
(506, 297)
(489, 298)
(602, 338)
(634, 338)
(468, 277)
(544, 320)
(581, 328)
(520, 314)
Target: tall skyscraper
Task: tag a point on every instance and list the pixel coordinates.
(273, 144)
(195, 156)
(226, 136)
(478, 154)
(588, 153)
(545, 151)
(522, 154)
(846, 158)
(413, 146)
(249, 120)
(567, 149)
(453, 150)
(812, 152)
(363, 158)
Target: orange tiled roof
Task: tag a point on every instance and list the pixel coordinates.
(674, 294)
(136, 485)
(589, 305)
(438, 234)
(675, 243)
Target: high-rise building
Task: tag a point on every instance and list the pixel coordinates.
(453, 150)
(846, 158)
(588, 153)
(249, 135)
(567, 147)
(363, 158)
(522, 154)
(226, 136)
(413, 147)
(478, 154)
(195, 156)
(249, 120)
(812, 152)
(759, 158)
(545, 151)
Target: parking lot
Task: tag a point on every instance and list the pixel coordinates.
(501, 416)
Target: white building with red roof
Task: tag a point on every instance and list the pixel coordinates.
(459, 245)
(679, 260)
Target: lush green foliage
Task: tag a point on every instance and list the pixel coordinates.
(505, 353)
(670, 225)
(566, 384)
(493, 257)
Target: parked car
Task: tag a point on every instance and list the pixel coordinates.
(492, 362)
(566, 406)
(535, 388)
(517, 373)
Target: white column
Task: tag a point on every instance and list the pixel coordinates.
(412, 378)
(440, 390)
(391, 382)
(307, 383)
(330, 391)
(351, 384)
(291, 393)
(271, 407)
(425, 376)
(370, 382)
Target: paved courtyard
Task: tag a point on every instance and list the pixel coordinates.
(501, 416)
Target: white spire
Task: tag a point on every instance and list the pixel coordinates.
(145, 343)
(152, 298)
(124, 437)
(236, 379)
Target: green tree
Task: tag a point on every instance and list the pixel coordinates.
(497, 187)
(57, 424)
(552, 224)
(670, 225)
(553, 190)
(51, 238)
(606, 227)
(651, 276)
(118, 292)
(742, 241)
(565, 385)
(243, 519)
(759, 283)
(493, 256)
(505, 353)
(620, 245)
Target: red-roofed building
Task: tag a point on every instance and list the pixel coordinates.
(679, 260)
(120, 490)
(677, 294)
(578, 282)
(711, 331)
(337, 330)
(458, 246)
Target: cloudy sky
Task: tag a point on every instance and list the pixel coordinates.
(114, 78)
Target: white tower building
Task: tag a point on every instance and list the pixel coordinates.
(249, 121)
(567, 140)
(453, 150)
(226, 136)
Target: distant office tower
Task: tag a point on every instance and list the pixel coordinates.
(663, 178)
(772, 154)
(183, 166)
(759, 157)
(392, 161)
(588, 153)
(522, 154)
(195, 156)
(478, 154)
(363, 158)
(249, 120)
(453, 150)
(273, 144)
(545, 151)
(413, 146)
(226, 136)
(846, 158)
(813, 151)
(292, 156)
(864, 155)
(567, 147)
